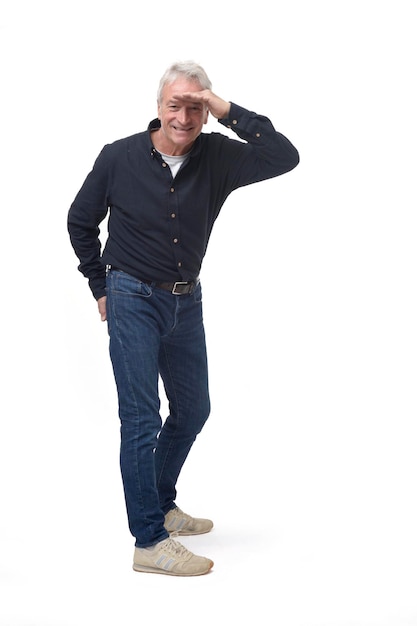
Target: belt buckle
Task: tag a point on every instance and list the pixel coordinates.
(174, 289)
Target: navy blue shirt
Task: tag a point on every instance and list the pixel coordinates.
(159, 226)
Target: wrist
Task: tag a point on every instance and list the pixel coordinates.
(224, 112)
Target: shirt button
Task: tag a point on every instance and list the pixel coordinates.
(173, 215)
(172, 189)
(258, 135)
(234, 122)
(164, 164)
(179, 264)
(175, 240)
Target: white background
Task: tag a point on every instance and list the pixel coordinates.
(308, 463)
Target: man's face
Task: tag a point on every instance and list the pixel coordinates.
(181, 120)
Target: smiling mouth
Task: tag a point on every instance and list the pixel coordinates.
(181, 130)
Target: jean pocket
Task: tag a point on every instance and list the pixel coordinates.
(123, 283)
(198, 294)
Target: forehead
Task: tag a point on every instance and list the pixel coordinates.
(180, 85)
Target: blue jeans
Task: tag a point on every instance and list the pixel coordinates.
(154, 333)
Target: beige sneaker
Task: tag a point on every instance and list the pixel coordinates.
(179, 523)
(170, 557)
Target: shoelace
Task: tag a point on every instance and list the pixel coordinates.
(181, 515)
(175, 548)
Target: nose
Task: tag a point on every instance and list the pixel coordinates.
(182, 115)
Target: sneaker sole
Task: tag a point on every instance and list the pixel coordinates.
(158, 570)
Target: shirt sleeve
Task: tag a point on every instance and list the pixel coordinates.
(88, 210)
(265, 152)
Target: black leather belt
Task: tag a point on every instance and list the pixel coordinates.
(179, 288)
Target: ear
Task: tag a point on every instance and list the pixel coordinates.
(205, 120)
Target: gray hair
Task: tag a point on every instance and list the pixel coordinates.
(186, 69)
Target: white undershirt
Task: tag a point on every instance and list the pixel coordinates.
(174, 162)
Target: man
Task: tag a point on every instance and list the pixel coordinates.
(164, 189)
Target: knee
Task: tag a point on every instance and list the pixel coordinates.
(203, 414)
